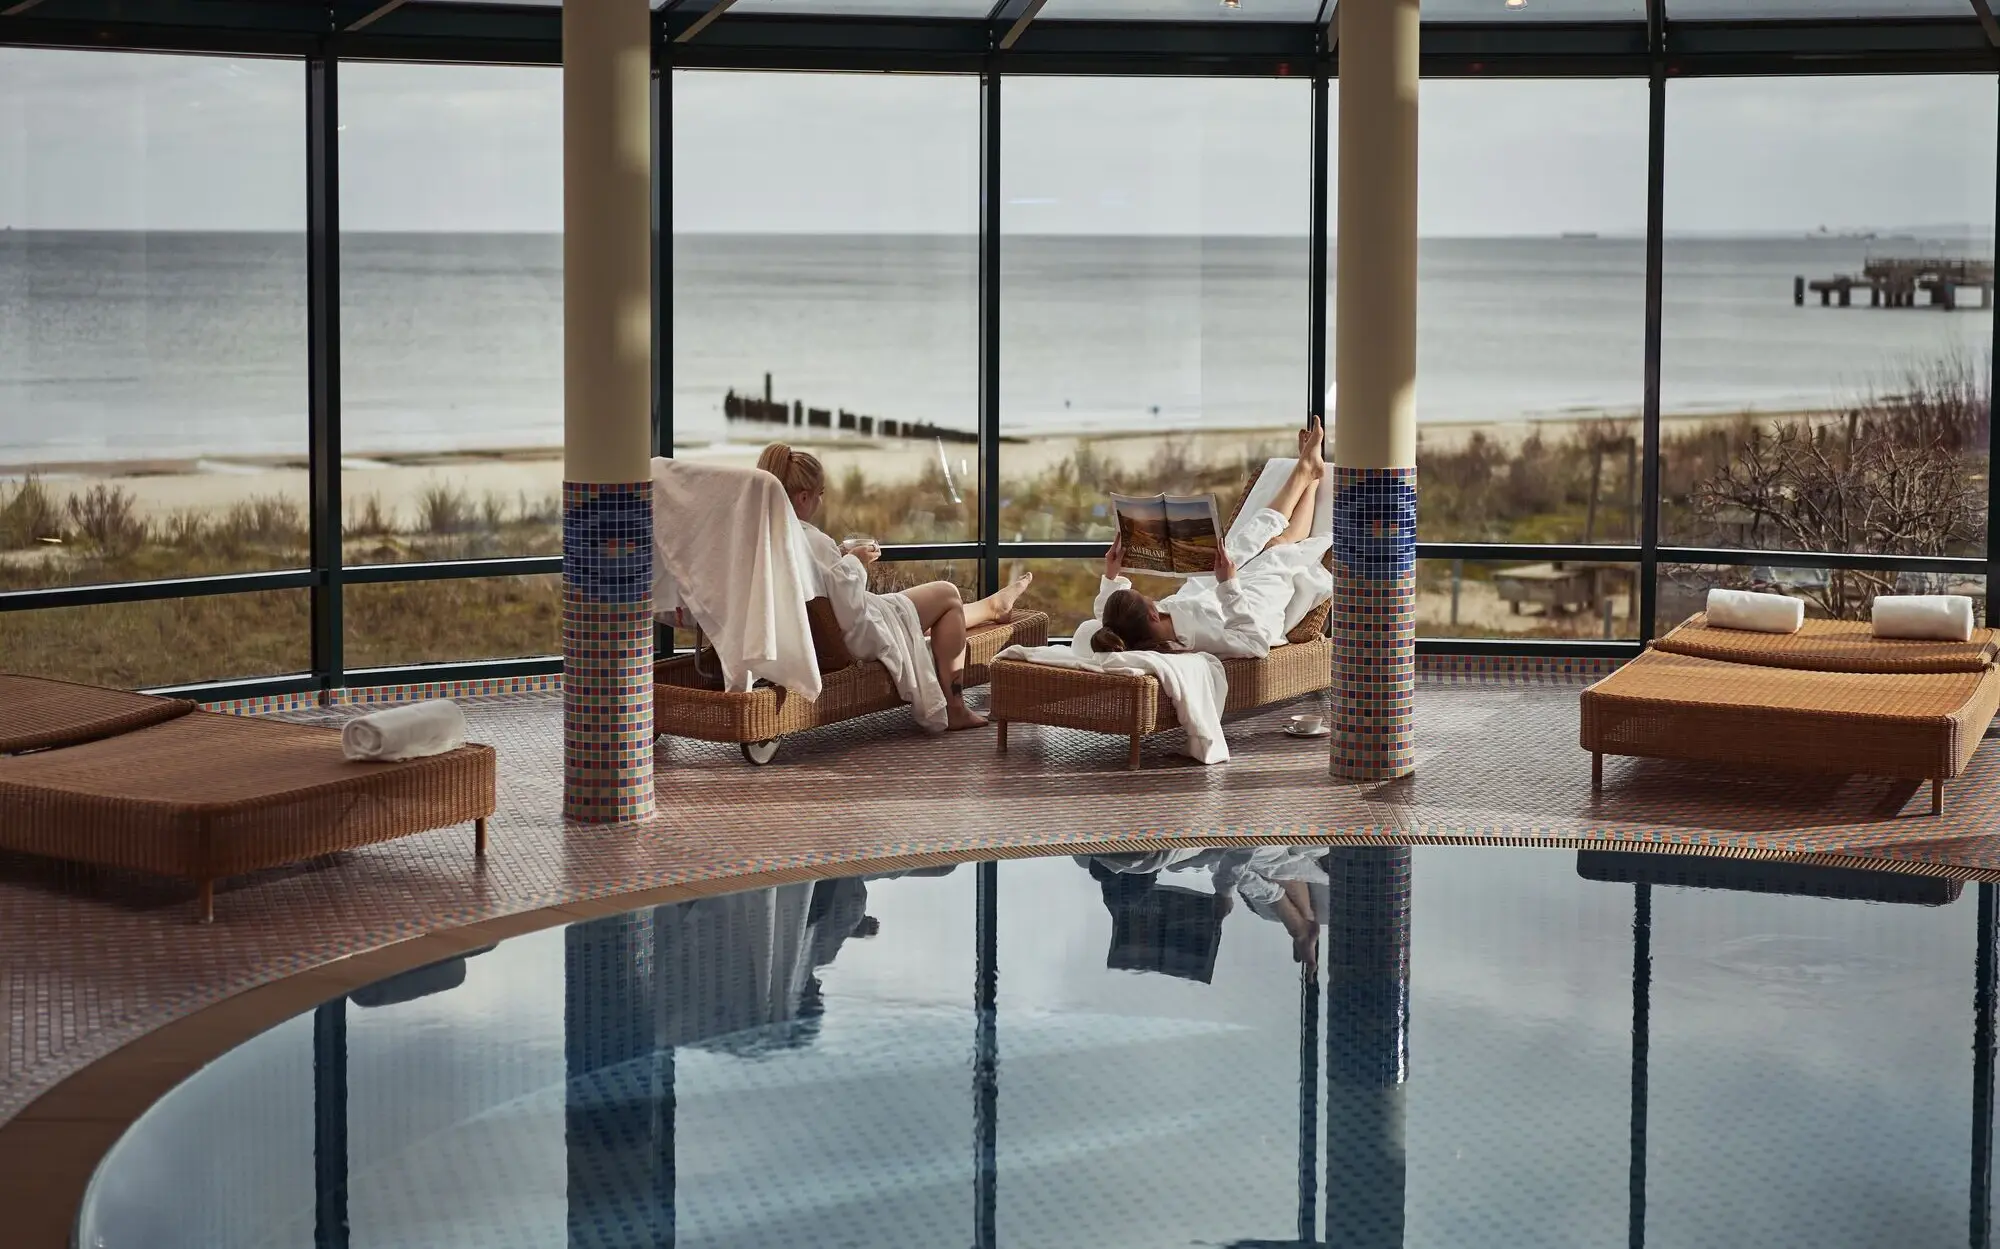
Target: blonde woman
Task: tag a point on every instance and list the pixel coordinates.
(935, 608)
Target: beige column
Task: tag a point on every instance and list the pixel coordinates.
(607, 347)
(1375, 367)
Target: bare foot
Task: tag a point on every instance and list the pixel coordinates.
(959, 716)
(1004, 601)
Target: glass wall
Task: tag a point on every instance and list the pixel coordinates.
(451, 340)
(1828, 314)
(1154, 293)
(826, 281)
(1826, 350)
(1531, 310)
(152, 317)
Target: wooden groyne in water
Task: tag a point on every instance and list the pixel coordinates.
(1894, 281)
(769, 411)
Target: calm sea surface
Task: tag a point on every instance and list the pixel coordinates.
(119, 345)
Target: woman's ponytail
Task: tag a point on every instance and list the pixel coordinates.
(1105, 641)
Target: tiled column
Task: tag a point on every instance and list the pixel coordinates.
(1375, 367)
(607, 342)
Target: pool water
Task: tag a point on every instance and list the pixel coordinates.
(1281, 1047)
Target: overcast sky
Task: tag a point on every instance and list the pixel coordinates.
(115, 141)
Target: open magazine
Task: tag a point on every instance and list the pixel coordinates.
(1170, 534)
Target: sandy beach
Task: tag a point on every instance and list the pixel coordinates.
(163, 487)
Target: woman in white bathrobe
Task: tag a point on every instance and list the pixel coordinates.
(1241, 613)
(936, 608)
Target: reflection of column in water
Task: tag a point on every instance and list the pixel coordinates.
(1367, 1044)
(619, 1111)
(330, 1125)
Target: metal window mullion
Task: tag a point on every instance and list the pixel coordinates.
(989, 326)
(1992, 442)
(323, 363)
(1318, 241)
(1649, 454)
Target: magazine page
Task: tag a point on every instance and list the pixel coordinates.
(1193, 533)
(1143, 532)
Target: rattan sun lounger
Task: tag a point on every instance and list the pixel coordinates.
(39, 712)
(757, 720)
(1132, 705)
(1830, 646)
(206, 796)
(1922, 724)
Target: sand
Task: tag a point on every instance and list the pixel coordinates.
(162, 487)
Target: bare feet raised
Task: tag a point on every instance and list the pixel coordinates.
(1011, 593)
(959, 716)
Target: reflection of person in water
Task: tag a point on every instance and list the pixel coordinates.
(1276, 882)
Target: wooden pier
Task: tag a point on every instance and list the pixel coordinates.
(1894, 282)
(769, 411)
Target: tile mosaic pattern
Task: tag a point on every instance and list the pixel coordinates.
(113, 955)
(1374, 624)
(608, 650)
(385, 695)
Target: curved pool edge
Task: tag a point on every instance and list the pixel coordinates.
(53, 1146)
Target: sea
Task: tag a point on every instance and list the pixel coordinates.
(121, 346)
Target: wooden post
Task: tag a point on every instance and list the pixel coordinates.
(1132, 756)
(1596, 770)
(1596, 482)
(1798, 292)
(205, 902)
(479, 837)
(1937, 795)
(1001, 725)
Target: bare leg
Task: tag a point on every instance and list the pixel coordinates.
(1300, 492)
(995, 608)
(942, 612)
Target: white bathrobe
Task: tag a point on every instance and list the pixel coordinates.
(883, 627)
(1244, 618)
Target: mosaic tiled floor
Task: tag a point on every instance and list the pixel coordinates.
(94, 959)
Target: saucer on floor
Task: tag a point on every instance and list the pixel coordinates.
(1321, 731)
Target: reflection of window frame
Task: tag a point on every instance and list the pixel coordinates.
(1538, 48)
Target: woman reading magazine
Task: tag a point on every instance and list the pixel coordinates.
(1241, 614)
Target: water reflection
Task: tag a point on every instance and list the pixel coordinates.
(722, 1005)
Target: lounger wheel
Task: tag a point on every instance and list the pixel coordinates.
(760, 753)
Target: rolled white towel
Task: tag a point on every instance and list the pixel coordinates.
(407, 732)
(1759, 613)
(1945, 617)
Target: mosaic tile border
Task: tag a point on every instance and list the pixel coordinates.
(1515, 669)
(385, 695)
(1444, 669)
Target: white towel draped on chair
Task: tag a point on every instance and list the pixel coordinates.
(1194, 681)
(729, 549)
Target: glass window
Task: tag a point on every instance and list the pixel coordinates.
(152, 316)
(1153, 291)
(826, 280)
(415, 622)
(185, 641)
(451, 311)
(1531, 310)
(1460, 598)
(1828, 322)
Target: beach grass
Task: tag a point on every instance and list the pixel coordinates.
(1900, 472)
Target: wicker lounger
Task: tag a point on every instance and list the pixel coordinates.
(1830, 646)
(1132, 705)
(39, 712)
(758, 719)
(205, 796)
(1910, 725)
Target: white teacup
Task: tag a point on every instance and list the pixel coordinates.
(1306, 726)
